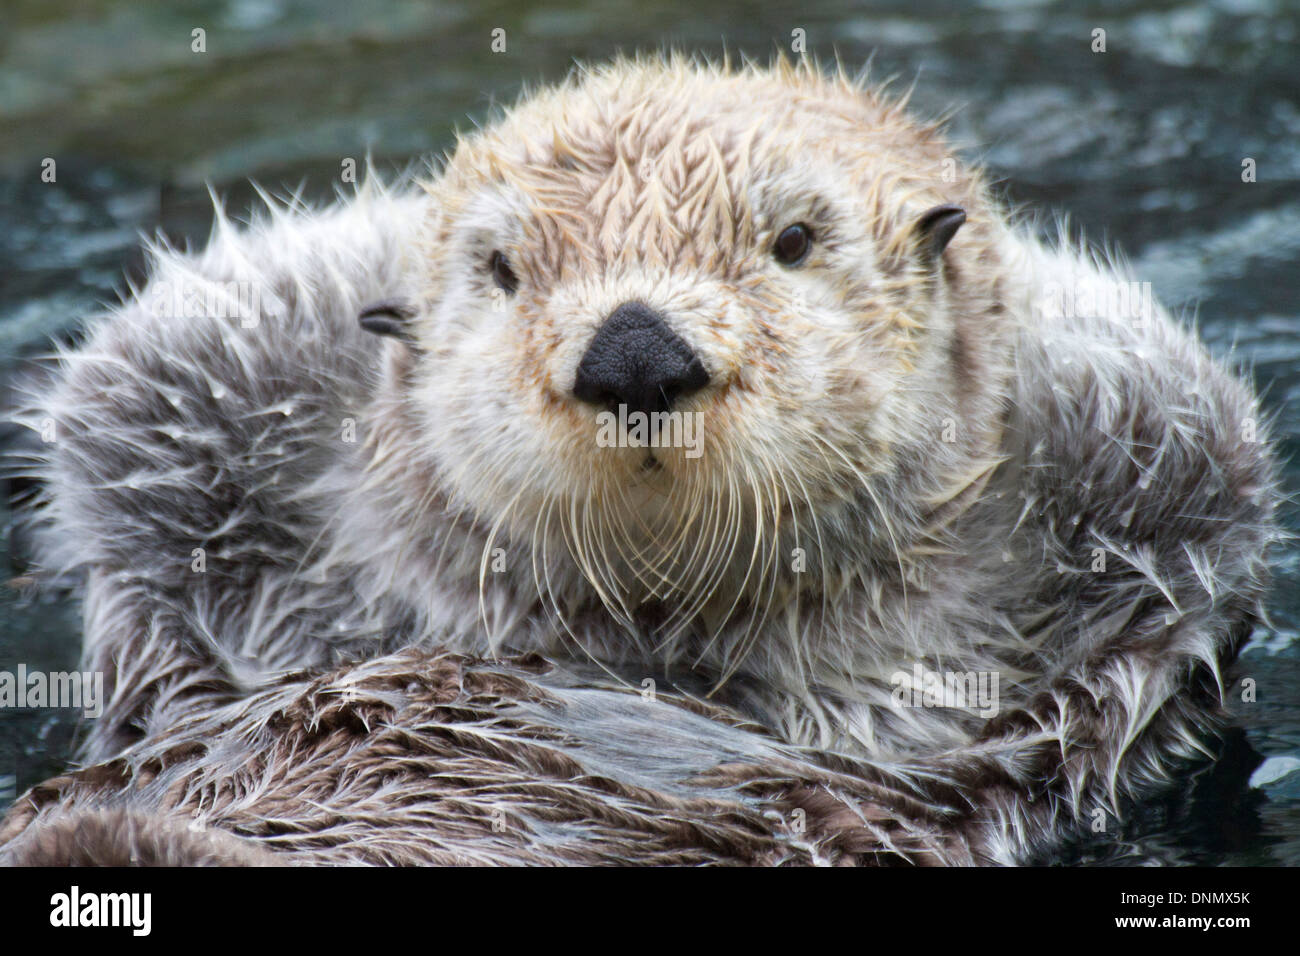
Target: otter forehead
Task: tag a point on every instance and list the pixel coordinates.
(675, 164)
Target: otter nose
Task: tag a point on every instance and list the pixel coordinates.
(636, 360)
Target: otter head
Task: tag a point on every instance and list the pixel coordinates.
(696, 332)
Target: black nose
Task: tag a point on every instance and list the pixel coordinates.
(637, 361)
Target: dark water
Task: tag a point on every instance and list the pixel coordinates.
(1142, 147)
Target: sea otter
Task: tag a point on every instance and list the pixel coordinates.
(735, 383)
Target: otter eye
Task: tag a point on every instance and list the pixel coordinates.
(792, 245)
(502, 273)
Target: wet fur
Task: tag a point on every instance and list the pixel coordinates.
(431, 758)
(832, 386)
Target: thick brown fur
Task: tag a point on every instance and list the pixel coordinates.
(428, 758)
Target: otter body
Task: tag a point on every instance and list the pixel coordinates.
(927, 444)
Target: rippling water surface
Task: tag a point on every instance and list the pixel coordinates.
(1141, 146)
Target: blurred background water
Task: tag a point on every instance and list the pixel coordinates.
(1141, 146)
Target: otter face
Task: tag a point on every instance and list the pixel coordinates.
(673, 319)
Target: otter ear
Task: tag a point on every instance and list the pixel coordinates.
(935, 229)
(389, 317)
